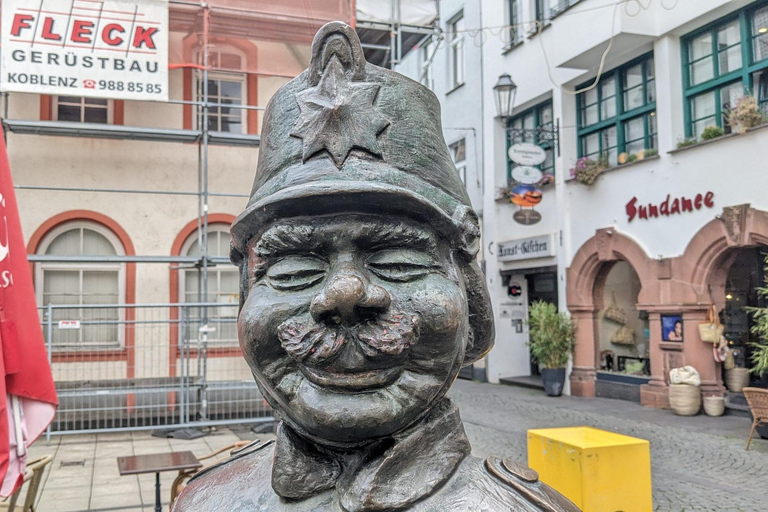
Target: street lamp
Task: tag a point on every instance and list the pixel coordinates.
(504, 94)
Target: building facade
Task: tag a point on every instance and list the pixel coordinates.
(674, 224)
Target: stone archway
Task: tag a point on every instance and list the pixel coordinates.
(585, 277)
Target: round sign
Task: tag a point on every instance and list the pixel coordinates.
(527, 174)
(525, 153)
(525, 195)
(527, 217)
(514, 290)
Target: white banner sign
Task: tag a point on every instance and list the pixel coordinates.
(99, 49)
(527, 248)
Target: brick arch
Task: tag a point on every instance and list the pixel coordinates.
(127, 354)
(707, 259)
(178, 243)
(585, 279)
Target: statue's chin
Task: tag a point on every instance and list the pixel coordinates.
(341, 417)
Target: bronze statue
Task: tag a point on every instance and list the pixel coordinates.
(361, 298)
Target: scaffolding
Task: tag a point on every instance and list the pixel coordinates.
(202, 25)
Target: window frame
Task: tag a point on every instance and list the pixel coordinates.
(456, 44)
(514, 16)
(745, 74)
(228, 77)
(213, 339)
(461, 165)
(120, 268)
(622, 116)
(110, 108)
(546, 145)
(428, 79)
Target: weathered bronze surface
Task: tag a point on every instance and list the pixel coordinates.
(361, 299)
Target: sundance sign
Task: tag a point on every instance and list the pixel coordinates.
(106, 49)
(669, 206)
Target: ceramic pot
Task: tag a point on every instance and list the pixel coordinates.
(554, 380)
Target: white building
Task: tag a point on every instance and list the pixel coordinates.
(659, 238)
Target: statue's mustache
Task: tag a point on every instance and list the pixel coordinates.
(305, 339)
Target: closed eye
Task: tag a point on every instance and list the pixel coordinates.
(402, 265)
(296, 273)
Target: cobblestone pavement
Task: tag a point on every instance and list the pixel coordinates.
(698, 463)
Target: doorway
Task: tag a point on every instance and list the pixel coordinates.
(746, 274)
(541, 286)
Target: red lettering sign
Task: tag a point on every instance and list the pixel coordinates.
(669, 206)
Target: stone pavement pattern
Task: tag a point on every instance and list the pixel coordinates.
(698, 464)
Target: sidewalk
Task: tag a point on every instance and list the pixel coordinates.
(84, 476)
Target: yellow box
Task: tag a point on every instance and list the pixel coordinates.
(599, 471)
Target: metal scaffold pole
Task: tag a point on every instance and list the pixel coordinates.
(205, 127)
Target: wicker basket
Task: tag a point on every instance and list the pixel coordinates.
(623, 336)
(684, 399)
(714, 405)
(736, 379)
(615, 313)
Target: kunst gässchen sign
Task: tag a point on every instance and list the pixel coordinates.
(526, 248)
(106, 49)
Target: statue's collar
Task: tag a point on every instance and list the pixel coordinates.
(389, 474)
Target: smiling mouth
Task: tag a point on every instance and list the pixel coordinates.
(353, 381)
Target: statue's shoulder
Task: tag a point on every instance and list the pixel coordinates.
(243, 477)
(525, 483)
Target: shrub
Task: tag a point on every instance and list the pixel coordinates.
(552, 335)
(711, 132)
(684, 143)
(759, 357)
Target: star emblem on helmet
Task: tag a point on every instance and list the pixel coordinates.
(339, 115)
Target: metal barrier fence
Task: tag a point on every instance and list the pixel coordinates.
(145, 366)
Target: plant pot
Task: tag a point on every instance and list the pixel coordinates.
(684, 399)
(714, 405)
(554, 380)
(736, 379)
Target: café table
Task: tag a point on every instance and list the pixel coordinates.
(157, 463)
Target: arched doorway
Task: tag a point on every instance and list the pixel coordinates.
(623, 335)
(745, 275)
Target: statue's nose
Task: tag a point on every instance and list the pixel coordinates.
(349, 298)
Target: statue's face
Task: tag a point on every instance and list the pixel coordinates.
(353, 324)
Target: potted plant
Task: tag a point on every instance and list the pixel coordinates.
(552, 339)
(587, 170)
(745, 115)
(759, 357)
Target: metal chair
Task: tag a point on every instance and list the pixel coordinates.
(184, 475)
(757, 398)
(33, 475)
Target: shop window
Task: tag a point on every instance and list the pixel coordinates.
(82, 110)
(223, 288)
(721, 63)
(623, 330)
(534, 126)
(618, 115)
(70, 283)
(459, 155)
(457, 59)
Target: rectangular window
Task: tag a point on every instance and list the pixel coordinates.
(457, 61)
(619, 115)
(459, 155)
(543, 11)
(722, 62)
(82, 110)
(559, 6)
(533, 126)
(426, 57)
(515, 31)
(227, 91)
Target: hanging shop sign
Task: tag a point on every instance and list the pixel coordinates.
(525, 195)
(525, 153)
(108, 49)
(670, 206)
(526, 217)
(526, 174)
(527, 248)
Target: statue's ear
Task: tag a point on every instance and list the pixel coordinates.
(481, 331)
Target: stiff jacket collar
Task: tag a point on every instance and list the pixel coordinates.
(390, 473)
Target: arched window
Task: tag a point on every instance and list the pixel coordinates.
(70, 284)
(223, 286)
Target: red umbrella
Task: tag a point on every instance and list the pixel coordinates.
(26, 383)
